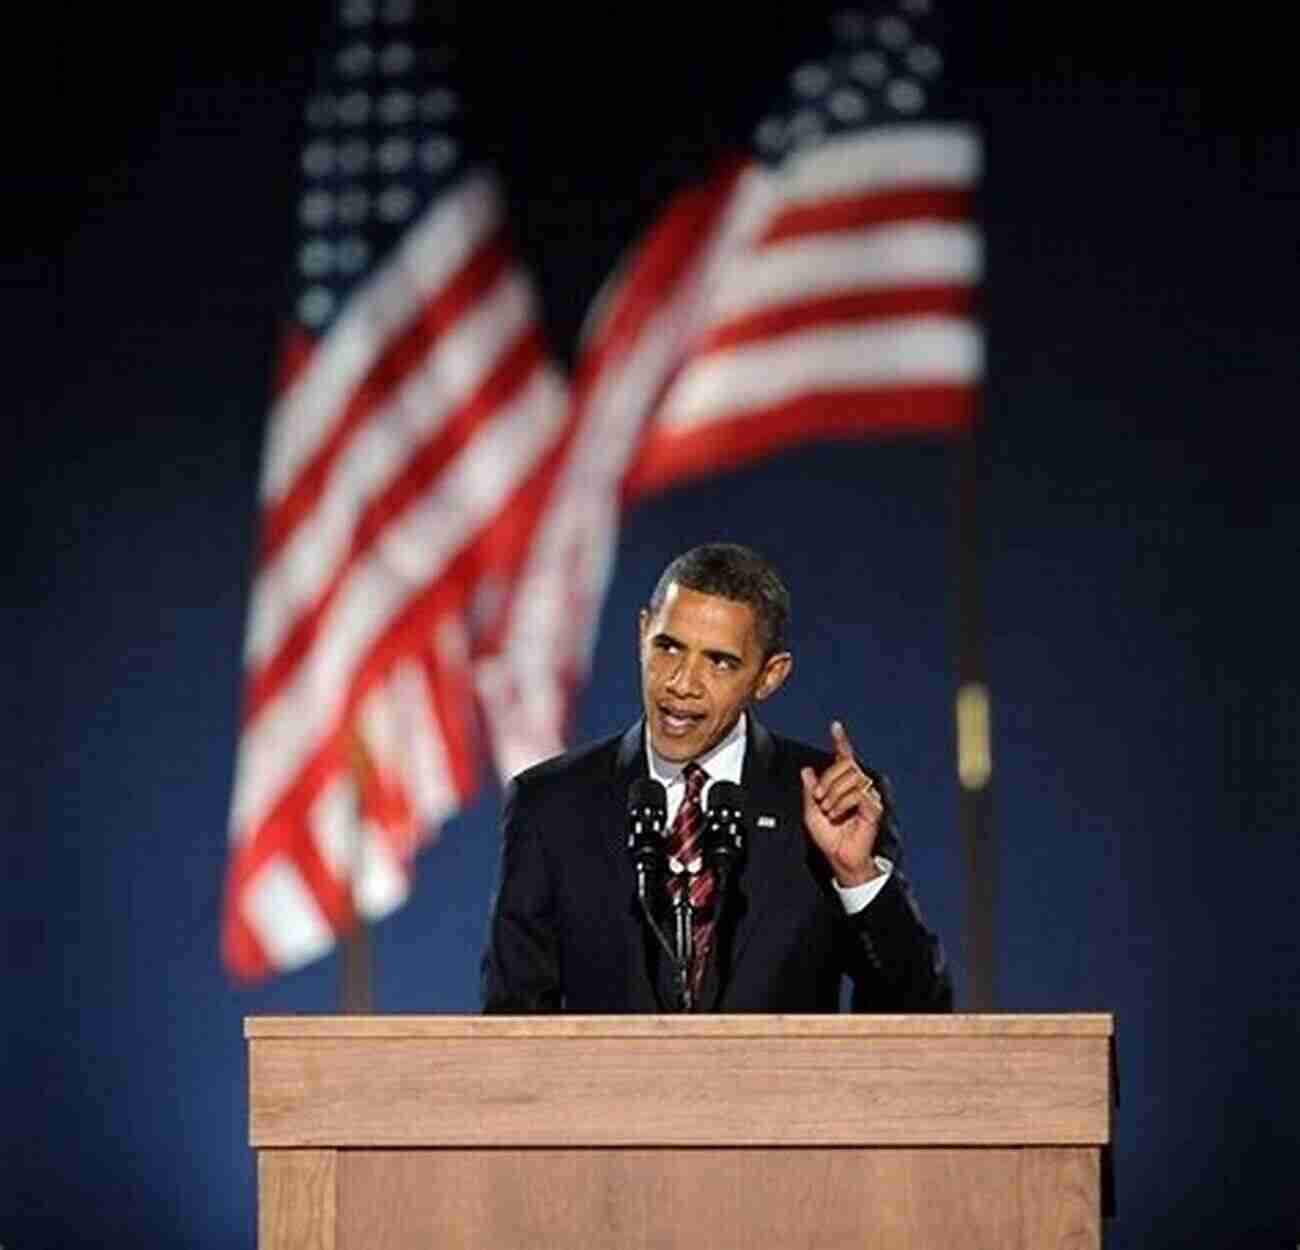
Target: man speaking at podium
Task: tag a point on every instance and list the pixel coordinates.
(757, 899)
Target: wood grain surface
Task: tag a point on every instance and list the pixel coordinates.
(1061, 1198)
(296, 1199)
(1043, 1024)
(812, 1199)
(802, 1082)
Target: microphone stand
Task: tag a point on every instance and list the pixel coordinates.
(683, 931)
(644, 877)
(671, 949)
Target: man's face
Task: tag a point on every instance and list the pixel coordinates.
(701, 663)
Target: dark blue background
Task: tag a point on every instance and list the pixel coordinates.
(1140, 533)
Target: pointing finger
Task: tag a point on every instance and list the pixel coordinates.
(843, 747)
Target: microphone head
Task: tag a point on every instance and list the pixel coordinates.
(647, 813)
(646, 792)
(724, 827)
(726, 795)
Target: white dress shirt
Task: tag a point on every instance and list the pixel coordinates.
(726, 762)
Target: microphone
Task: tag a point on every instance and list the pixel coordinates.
(724, 830)
(647, 813)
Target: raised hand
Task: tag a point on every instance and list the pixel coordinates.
(841, 811)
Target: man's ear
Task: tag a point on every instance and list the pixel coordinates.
(642, 620)
(771, 677)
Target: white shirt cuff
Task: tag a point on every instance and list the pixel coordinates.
(856, 897)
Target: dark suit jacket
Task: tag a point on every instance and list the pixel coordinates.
(567, 933)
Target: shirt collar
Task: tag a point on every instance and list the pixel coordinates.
(724, 762)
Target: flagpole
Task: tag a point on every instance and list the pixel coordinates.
(973, 734)
(355, 956)
(355, 997)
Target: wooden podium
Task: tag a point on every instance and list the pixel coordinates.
(715, 1132)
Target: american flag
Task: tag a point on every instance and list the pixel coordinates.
(820, 286)
(417, 432)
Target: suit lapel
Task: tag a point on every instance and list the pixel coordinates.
(772, 823)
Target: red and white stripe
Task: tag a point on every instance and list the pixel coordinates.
(409, 460)
(834, 298)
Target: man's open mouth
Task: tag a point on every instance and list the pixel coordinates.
(675, 718)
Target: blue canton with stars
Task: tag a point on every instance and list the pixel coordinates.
(384, 137)
(882, 66)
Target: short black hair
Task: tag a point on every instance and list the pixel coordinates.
(740, 574)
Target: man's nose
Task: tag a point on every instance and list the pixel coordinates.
(683, 680)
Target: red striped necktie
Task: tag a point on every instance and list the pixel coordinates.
(683, 846)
